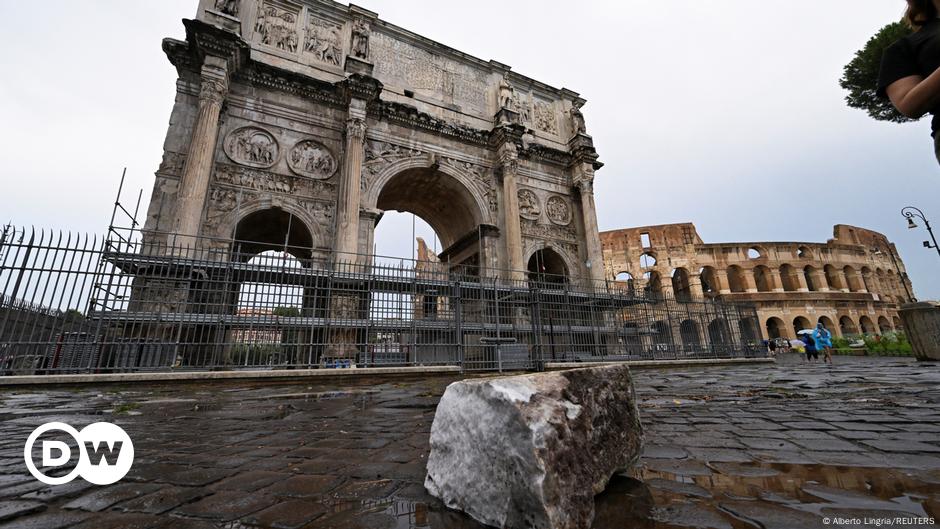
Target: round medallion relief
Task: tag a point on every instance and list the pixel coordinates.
(310, 158)
(558, 210)
(251, 146)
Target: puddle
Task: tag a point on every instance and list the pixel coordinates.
(769, 493)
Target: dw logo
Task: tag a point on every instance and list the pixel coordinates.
(105, 453)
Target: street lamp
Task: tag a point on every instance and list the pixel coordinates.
(910, 212)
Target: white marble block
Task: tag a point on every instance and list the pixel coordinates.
(532, 451)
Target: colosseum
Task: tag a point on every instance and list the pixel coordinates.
(853, 283)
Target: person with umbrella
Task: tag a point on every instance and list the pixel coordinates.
(806, 335)
(823, 339)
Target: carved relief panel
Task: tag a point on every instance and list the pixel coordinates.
(276, 24)
(529, 206)
(323, 40)
(545, 119)
(310, 158)
(251, 146)
(558, 210)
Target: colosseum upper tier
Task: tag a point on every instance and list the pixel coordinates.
(853, 283)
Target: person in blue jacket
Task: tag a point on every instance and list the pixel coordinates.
(810, 345)
(823, 339)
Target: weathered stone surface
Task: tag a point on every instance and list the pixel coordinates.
(922, 322)
(533, 450)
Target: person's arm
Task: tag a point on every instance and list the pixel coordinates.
(914, 96)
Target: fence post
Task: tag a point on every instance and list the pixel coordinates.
(458, 323)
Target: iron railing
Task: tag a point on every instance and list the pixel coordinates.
(132, 301)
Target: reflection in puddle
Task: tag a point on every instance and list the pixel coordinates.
(763, 492)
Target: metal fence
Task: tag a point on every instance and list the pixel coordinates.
(132, 302)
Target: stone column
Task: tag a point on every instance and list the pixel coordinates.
(819, 279)
(844, 284)
(347, 214)
(592, 236)
(509, 162)
(750, 284)
(194, 183)
(802, 286)
(777, 279)
(721, 277)
(695, 287)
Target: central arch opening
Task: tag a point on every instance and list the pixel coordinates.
(442, 202)
(430, 228)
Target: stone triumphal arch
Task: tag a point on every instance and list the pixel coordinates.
(300, 122)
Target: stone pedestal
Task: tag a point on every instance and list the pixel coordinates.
(922, 325)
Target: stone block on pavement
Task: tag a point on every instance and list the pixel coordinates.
(533, 450)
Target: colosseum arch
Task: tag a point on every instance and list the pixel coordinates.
(652, 284)
(662, 333)
(681, 286)
(800, 323)
(709, 279)
(868, 280)
(810, 274)
(884, 325)
(647, 260)
(736, 281)
(829, 325)
(690, 335)
(867, 326)
(750, 329)
(853, 281)
(776, 328)
(834, 278)
(763, 279)
(847, 326)
(625, 282)
(788, 275)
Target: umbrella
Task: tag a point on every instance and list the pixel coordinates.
(796, 343)
(806, 331)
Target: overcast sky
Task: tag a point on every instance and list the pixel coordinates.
(726, 113)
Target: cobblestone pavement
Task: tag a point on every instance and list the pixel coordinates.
(772, 446)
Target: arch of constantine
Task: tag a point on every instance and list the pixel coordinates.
(853, 283)
(303, 121)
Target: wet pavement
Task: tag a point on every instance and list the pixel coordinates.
(766, 446)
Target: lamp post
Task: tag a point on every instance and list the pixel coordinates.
(910, 213)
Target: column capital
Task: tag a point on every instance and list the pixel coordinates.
(213, 89)
(508, 155)
(356, 128)
(585, 184)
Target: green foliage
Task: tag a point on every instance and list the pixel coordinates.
(287, 311)
(860, 76)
